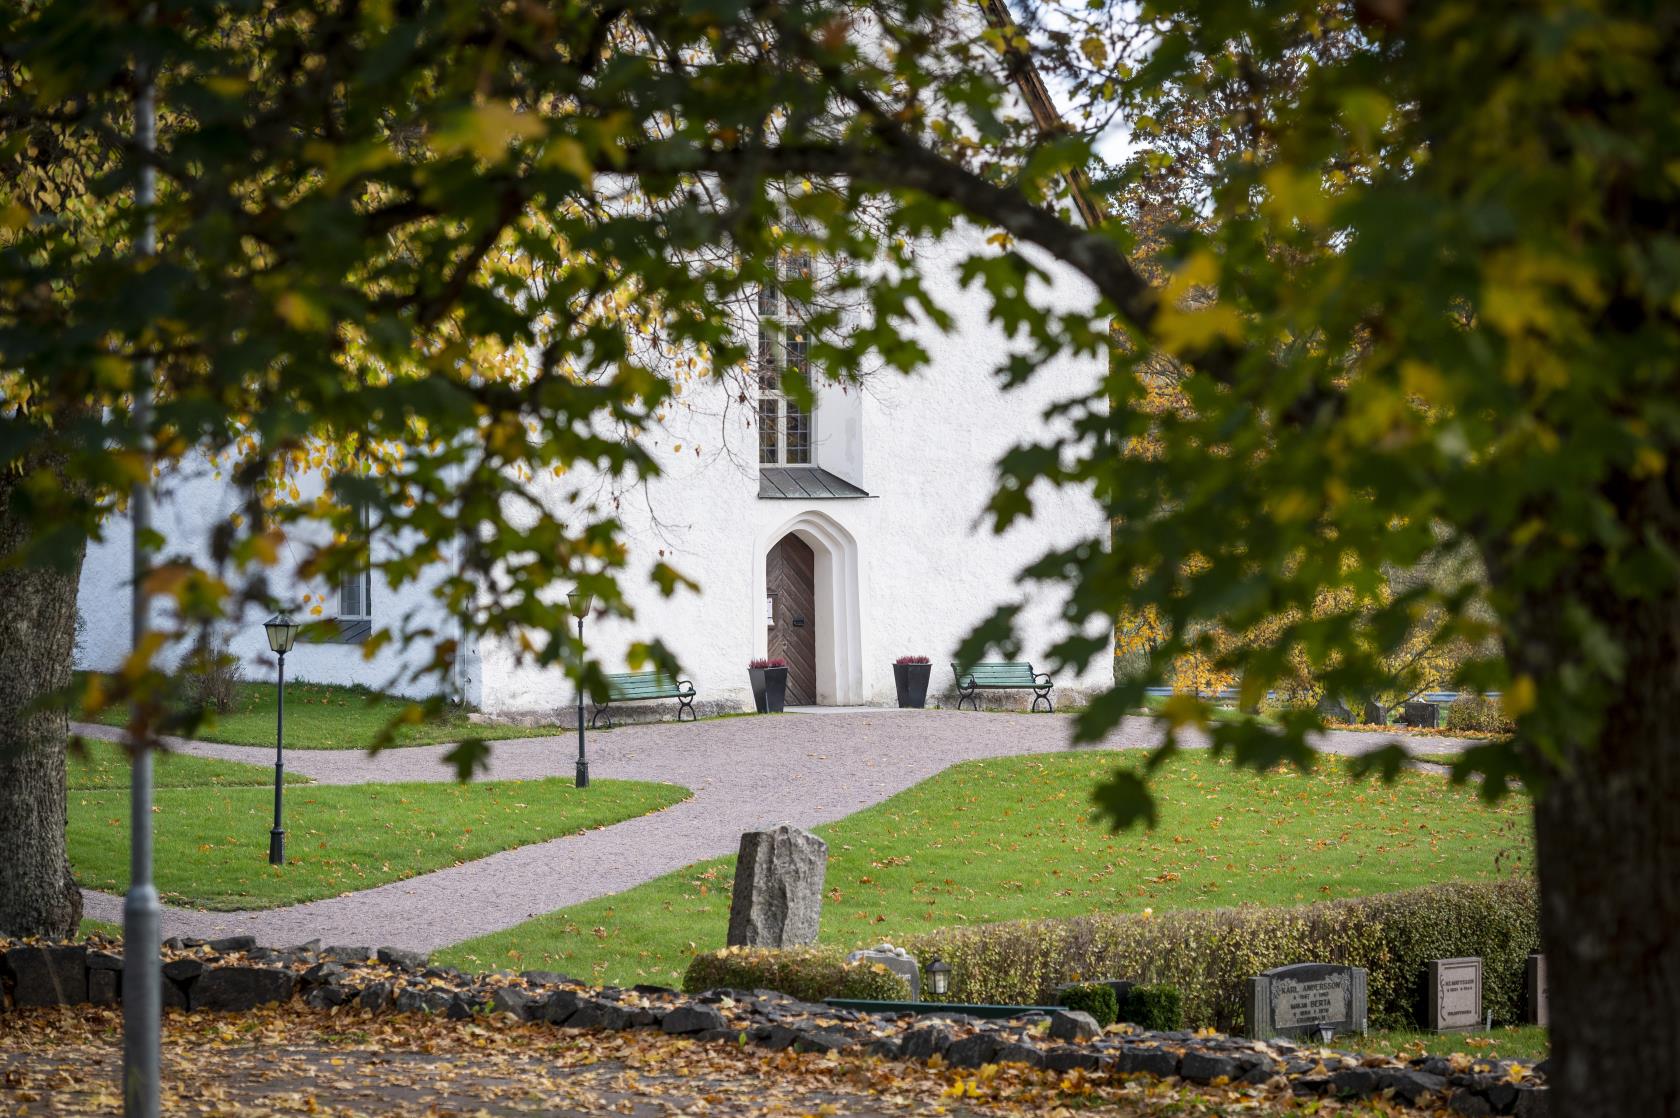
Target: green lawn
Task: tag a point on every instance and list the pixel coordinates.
(326, 716)
(104, 764)
(1013, 838)
(212, 843)
(1525, 1042)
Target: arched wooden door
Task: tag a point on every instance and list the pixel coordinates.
(790, 580)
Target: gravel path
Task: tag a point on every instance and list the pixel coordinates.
(746, 774)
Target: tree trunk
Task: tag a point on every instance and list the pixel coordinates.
(38, 895)
(1608, 837)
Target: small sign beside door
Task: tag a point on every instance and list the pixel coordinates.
(769, 609)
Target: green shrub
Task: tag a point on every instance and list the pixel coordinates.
(1478, 712)
(807, 973)
(1094, 998)
(1208, 956)
(1154, 1007)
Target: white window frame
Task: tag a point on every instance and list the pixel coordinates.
(775, 315)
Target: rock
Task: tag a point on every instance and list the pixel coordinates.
(1137, 1060)
(511, 999)
(329, 997)
(822, 1040)
(1357, 1082)
(171, 994)
(183, 970)
(1409, 1085)
(376, 997)
(347, 954)
(1258, 1074)
(597, 1014)
(104, 986)
(236, 989)
(51, 974)
(884, 1048)
(1202, 1067)
(972, 1051)
(323, 972)
(644, 988)
(778, 888)
(463, 1006)
(104, 960)
(778, 1037)
(693, 1019)
(1073, 1025)
(1067, 1057)
(227, 945)
(1018, 1053)
(401, 959)
(733, 1036)
(422, 999)
(559, 1006)
(1532, 1102)
(925, 1042)
(1469, 1104)
(1501, 1096)
(1375, 714)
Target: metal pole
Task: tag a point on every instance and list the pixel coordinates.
(277, 836)
(583, 761)
(142, 915)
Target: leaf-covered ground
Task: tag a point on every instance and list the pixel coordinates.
(326, 716)
(1014, 838)
(104, 764)
(212, 842)
(344, 1063)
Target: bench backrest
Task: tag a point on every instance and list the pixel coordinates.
(641, 685)
(997, 673)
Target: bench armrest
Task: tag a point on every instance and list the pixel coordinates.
(682, 683)
(1043, 679)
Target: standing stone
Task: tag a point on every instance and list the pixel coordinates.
(1422, 714)
(1295, 1001)
(1453, 993)
(895, 959)
(1538, 1007)
(1375, 714)
(778, 889)
(1334, 710)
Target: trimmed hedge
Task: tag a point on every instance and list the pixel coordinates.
(1209, 955)
(807, 973)
(1094, 998)
(1478, 712)
(1154, 1007)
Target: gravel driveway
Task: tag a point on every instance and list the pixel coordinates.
(746, 774)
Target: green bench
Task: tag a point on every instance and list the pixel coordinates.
(1001, 675)
(634, 687)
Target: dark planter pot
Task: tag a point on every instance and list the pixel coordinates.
(912, 680)
(769, 689)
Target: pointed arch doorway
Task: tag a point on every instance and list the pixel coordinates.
(810, 570)
(790, 582)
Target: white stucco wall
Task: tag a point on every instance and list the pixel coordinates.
(919, 555)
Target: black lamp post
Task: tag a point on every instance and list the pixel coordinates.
(282, 631)
(580, 603)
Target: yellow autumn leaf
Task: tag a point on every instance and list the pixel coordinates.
(568, 155)
(1520, 698)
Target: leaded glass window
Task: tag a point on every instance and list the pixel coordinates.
(784, 428)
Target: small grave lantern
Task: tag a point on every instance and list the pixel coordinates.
(939, 977)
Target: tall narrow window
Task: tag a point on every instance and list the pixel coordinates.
(784, 428)
(355, 590)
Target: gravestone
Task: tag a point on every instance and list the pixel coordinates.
(1453, 994)
(778, 889)
(1295, 1001)
(1422, 714)
(1334, 710)
(1538, 1005)
(1375, 715)
(895, 959)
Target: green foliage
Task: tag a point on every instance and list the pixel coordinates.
(1477, 712)
(1014, 838)
(1095, 998)
(211, 842)
(807, 973)
(1159, 1007)
(1207, 956)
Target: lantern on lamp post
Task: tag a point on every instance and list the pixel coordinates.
(580, 603)
(282, 631)
(939, 978)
